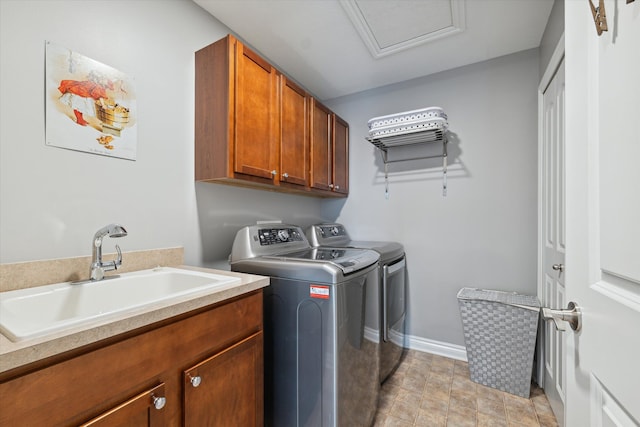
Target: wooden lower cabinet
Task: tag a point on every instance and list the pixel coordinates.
(145, 409)
(119, 383)
(226, 389)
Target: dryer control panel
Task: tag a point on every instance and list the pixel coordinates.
(328, 235)
(332, 230)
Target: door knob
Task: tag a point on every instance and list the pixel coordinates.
(558, 267)
(571, 315)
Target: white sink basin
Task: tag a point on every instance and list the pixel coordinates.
(42, 310)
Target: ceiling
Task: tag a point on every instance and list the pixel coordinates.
(324, 46)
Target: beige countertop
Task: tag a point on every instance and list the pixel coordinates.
(16, 354)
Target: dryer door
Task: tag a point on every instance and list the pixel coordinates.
(393, 308)
(393, 301)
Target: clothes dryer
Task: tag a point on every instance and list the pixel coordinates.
(392, 274)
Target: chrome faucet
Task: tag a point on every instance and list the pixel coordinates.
(97, 266)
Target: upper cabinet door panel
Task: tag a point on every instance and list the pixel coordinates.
(256, 115)
(294, 134)
(320, 147)
(340, 156)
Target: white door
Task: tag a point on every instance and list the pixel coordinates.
(602, 268)
(551, 289)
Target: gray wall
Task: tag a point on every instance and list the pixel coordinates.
(483, 234)
(53, 200)
(552, 33)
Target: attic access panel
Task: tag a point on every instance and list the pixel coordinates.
(390, 26)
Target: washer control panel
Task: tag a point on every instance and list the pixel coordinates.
(275, 236)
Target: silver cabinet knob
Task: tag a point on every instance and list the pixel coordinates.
(274, 172)
(195, 381)
(158, 402)
(337, 187)
(558, 267)
(331, 186)
(285, 175)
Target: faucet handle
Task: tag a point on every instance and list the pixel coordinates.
(118, 260)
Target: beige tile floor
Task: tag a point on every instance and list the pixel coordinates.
(430, 390)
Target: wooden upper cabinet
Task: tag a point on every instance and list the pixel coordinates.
(236, 114)
(256, 115)
(340, 155)
(294, 134)
(329, 151)
(320, 147)
(255, 127)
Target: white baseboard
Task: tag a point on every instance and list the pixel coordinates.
(371, 334)
(452, 351)
(440, 348)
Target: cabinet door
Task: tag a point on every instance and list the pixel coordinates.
(321, 174)
(256, 115)
(340, 155)
(227, 388)
(144, 409)
(294, 134)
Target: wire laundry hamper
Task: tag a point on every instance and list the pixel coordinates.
(500, 330)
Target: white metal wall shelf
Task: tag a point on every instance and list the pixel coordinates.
(426, 136)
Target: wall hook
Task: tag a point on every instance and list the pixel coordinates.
(599, 16)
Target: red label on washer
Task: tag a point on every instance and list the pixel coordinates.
(318, 291)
